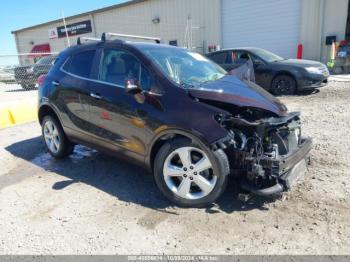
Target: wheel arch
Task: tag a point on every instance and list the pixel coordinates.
(284, 72)
(45, 110)
(166, 136)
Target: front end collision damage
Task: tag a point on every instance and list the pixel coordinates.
(268, 153)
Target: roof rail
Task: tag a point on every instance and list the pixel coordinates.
(86, 39)
(106, 35)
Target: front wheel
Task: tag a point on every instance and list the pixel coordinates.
(283, 85)
(189, 175)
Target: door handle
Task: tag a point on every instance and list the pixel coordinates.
(96, 96)
(55, 83)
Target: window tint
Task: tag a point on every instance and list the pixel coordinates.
(239, 57)
(146, 80)
(118, 65)
(80, 64)
(219, 58)
(255, 59)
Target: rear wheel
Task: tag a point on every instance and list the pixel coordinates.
(28, 86)
(189, 175)
(283, 85)
(56, 141)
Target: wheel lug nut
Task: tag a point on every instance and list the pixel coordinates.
(195, 173)
(185, 175)
(191, 178)
(185, 169)
(191, 167)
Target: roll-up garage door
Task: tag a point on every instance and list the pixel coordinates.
(270, 24)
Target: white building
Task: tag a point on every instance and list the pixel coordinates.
(276, 25)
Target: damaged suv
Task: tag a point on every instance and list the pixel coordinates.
(174, 112)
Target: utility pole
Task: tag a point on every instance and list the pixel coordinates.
(65, 28)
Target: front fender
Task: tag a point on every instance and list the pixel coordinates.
(194, 135)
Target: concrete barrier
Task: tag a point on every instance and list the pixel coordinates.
(18, 112)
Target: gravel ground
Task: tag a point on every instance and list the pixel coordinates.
(90, 203)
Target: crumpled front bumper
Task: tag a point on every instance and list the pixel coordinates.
(288, 169)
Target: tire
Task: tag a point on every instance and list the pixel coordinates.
(212, 180)
(283, 85)
(28, 86)
(24, 86)
(55, 139)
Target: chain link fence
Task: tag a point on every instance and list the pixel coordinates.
(15, 72)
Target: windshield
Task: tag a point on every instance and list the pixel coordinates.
(267, 55)
(186, 68)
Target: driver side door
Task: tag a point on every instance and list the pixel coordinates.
(117, 123)
(261, 71)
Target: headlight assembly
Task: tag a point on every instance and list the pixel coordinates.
(314, 70)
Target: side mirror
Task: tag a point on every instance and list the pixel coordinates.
(132, 86)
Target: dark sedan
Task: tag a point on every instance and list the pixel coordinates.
(278, 75)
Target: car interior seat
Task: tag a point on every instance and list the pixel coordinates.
(116, 72)
(132, 66)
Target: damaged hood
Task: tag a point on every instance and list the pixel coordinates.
(231, 90)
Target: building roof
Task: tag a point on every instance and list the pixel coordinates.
(131, 2)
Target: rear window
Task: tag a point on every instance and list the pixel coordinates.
(80, 64)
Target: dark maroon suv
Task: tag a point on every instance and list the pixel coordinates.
(174, 112)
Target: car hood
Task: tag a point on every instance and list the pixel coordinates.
(299, 63)
(231, 90)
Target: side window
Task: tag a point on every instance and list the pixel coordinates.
(117, 65)
(80, 64)
(146, 80)
(256, 60)
(240, 57)
(219, 58)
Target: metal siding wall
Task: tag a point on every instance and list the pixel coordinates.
(310, 35)
(335, 17)
(269, 24)
(137, 19)
(321, 18)
(40, 35)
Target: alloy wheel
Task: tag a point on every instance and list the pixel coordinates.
(188, 173)
(51, 137)
(283, 86)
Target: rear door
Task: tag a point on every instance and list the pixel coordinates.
(73, 96)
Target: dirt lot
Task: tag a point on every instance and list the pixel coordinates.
(93, 204)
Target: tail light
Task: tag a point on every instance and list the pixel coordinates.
(41, 80)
